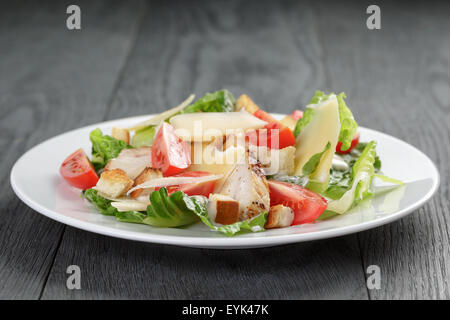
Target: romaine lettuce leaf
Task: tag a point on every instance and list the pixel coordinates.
(340, 181)
(103, 205)
(308, 114)
(219, 101)
(348, 123)
(362, 174)
(173, 210)
(164, 210)
(143, 137)
(104, 148)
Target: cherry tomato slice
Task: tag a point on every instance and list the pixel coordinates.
(306, 204)
(272, 138)
(78, 171)
(169, 153)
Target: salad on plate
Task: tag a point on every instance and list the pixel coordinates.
(229, 165)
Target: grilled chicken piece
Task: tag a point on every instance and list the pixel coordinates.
(279, 217)
(114, 183)
(223, 209)
(247, 184)
(121, 134)
(146, 175)
(132, 161)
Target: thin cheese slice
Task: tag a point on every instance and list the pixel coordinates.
(324, 127)
(205, 126)
(156, 120)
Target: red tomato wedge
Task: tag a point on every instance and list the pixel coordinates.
(192, 189)
(78, 171)
(355, 142)
(273, 138)
(306, 204)
(297, 114)
(169, 153)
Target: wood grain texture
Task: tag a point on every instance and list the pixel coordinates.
(245, 47)
(397, 81)
(52, 80)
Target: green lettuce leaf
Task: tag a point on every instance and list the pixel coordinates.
(348, 123)
(362, 174)
(340, 181)
(175, 210)
(103, 205)
(303, 121)
(104, 148)
(219, 101)
(143, 137)
(164, 210)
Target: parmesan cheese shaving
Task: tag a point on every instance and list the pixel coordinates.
(156, 120)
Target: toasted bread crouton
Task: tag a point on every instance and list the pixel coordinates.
(121, 134)
(279, 217)
(114, 183)
(286, 160)
(289, 122)
(223, 209)
(244, 102)
(274, 161)
(146, 175)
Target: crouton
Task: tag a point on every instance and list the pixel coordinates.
(223, 209)
(146, 175)
(114, 183)
(244, 102)
(121, 134)
(274, 161)
(289, 122)
(279, 217)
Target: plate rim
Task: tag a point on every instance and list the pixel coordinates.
(216, 242)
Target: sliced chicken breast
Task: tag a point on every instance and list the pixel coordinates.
(247, 184)
(132, 161)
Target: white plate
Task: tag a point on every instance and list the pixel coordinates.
(36, 181)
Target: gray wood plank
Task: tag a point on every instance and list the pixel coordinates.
(397, 81)
(52, 80)
(245, 47)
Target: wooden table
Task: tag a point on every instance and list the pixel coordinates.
(133, 58)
